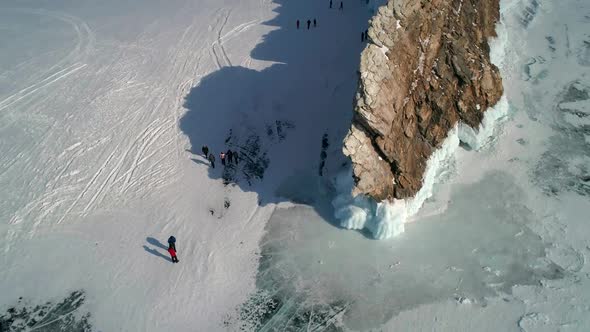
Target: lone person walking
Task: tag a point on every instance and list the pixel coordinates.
(172, 242)
(330, 3)
(212, 160)
(315, 24)
(205, 150)
(222, 157)
(308, 24)
(341, 5)
(297, 24)
(172, 253)
(229, 155)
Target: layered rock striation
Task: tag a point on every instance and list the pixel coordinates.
(426, 67)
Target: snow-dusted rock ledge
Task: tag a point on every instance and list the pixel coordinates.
(387, 218)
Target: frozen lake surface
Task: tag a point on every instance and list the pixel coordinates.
(104, 107)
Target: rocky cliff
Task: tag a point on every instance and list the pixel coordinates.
(425, 68)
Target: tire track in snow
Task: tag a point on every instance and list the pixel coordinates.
(122, 170)
(217, 46)
(247, 62)
(84, 45)
(184, 89)
(228, 62)
(187, 61)
(42, 84)
(126, 175)
(86, 38)
(221, 60)
(88, 185)
(146, 133)
(68, 163)
(25, 90)
(48, 202)
(145, 141)
(105, 183)
(237, 31)
(184, 86)
(10, 237)
(138, 115)
(153, 135)
(182, 58)
(95, 183)
(8, 165)
(155, 173)
(215, 57)
(183, 62)
(212, 51)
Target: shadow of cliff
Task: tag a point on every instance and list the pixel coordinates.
(286, 121)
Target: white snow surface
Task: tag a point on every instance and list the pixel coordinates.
(103, 109)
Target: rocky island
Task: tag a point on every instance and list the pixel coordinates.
(425, 69)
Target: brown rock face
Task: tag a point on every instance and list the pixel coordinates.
(426, 67)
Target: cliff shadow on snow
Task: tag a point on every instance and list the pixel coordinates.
(286, 121)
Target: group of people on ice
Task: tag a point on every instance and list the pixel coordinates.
(341, 4)
(315, 24)
(364, 34)
(229, 157)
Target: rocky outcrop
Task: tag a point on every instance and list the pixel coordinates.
(426, 67)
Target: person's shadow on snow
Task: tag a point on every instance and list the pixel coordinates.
(158, 244)
(156, 253)
(200, 162)
(155, 242)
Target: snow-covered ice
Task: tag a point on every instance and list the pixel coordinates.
(104, 107)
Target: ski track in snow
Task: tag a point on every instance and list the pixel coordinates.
(150, 147)
(34, 88)
(83, 48)
(104, 131)
(93, 162)
(217, 49)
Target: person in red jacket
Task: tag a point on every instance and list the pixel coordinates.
(173, 254)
